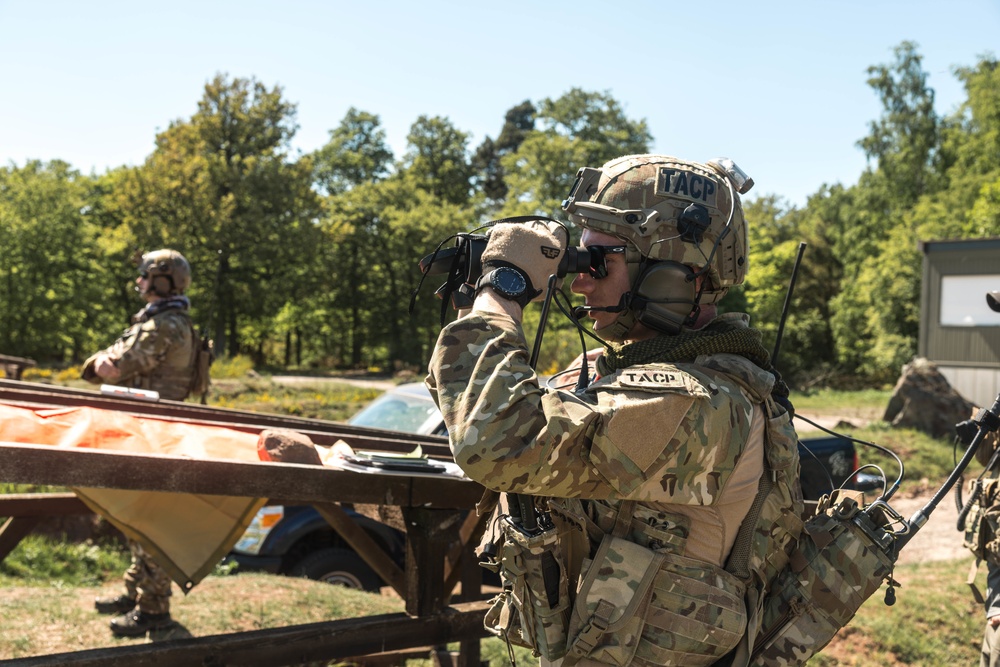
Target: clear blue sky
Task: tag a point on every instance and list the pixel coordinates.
(777, 86)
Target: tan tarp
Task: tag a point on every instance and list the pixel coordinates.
(187, 534)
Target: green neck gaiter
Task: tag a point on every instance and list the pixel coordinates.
(718, 337)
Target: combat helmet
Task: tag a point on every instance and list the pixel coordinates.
(168, 272)
(679, 221)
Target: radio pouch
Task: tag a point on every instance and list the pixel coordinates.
(842, 557)
(533, 608)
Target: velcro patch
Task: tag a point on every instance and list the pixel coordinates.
(680, 183)
(660, 377)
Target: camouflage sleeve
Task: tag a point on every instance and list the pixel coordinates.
(144, 347)
(506, 432)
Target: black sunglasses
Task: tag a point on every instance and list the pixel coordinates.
(598, 259)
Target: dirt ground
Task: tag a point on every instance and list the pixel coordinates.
(938, 538)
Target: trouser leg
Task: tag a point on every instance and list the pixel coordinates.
(147, 582)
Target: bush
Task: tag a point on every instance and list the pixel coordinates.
(232, 367)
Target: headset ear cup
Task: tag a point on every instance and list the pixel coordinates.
(664, 296)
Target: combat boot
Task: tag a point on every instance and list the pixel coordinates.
(137, 623)
(120, 604)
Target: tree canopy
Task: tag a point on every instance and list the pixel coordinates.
(310, 260)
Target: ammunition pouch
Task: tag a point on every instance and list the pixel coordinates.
(631, 594)
(842, 557)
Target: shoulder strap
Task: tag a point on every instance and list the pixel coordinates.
(623, 520)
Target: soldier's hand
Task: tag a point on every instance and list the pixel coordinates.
(534, 247)
(105, 368)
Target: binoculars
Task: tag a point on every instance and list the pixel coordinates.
(462, 263)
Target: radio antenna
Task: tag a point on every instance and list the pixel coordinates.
(788, 300)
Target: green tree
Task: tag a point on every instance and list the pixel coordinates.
(376, 234)
(437, 160)
(52, 287)
(490, 173)
(873, 330)
(598, 122)
(578, 129)
(356, 153)
(222, 189)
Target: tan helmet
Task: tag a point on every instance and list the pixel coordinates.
(167, 270)
(679, 220)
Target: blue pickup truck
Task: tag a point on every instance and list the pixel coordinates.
(297, 541)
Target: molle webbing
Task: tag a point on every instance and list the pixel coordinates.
(629, 520)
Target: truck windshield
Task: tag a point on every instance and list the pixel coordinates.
(399, 411)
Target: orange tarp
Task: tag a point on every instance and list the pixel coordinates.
(186, 533)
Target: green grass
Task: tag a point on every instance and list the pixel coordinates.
(330, 401)
(58, 618)
(834, 401)
(934, 622)
(39, 561)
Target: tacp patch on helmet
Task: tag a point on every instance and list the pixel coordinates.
(168, 271)
(670, 209)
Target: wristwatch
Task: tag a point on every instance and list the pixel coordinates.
(508, 282)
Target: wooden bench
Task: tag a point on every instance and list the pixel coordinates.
(13, 367)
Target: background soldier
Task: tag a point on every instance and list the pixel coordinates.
(156, 353)
(990, 650)
(664, 450)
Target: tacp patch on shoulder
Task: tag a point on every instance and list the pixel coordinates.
(660, 377)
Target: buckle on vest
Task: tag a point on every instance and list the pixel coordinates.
(592, 632)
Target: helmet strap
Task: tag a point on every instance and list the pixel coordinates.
(154, 287)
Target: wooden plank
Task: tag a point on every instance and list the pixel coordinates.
(59, 466)
(472, 529)
(41, 504)
(363, 545)
(297, 645)
(14, 530)
(429, 534)
(14, 366)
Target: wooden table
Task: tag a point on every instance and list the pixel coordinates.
(13, 367)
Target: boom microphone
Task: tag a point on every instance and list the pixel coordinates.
(580, 311)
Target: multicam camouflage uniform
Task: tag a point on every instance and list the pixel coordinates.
(684, 440)
(990, 649)
(146, 582)
(156, 353)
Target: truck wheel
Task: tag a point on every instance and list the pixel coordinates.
(340, 567)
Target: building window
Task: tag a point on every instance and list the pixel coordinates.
(963, 301)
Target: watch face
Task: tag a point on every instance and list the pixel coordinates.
(509, 281)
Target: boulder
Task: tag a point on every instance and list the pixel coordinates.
(924, 400)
